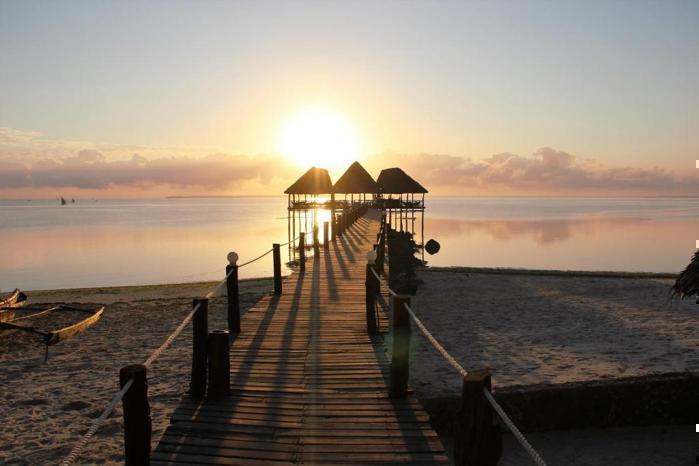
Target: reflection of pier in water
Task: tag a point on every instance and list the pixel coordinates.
(313, 200)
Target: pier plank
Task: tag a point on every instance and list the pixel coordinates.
(308, 385)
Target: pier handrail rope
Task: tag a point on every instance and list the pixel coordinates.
(97, 423)
(463, 372)
(513, 428)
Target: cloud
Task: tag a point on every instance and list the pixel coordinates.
(29, 161)
(547, 170)
(90, 169)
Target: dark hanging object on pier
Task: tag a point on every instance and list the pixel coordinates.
(432, 247)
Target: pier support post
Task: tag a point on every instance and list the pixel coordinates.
(218, 349)
(277, 266)
(233, 293)
(302, 251)
(372, 288)
(200, 329)
(401, 348)
(316, 243)
(325, 235)
(477, 440)
(137, 420)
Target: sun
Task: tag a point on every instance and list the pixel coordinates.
(319, 137)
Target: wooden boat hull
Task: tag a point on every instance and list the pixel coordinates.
(10, 303)
(52, 337)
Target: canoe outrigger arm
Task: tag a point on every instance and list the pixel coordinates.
(56, 336)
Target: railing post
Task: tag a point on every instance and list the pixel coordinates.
(477, 440)
(325, 235)
(233, 293)
(302, 251)
(316, 243)
(371, 291)
(333, 228)
(200, 329)
(277, 266)
(401, 347)
(137, 420)
(218, 351)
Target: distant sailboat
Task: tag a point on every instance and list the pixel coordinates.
(63, 201)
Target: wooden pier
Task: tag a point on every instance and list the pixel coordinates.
(307, 383)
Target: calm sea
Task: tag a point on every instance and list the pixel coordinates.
(130, 242)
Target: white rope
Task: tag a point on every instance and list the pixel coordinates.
(513, 428)
(257, 258)
(166, 344)
(380, 278)
(450, 359)
(77, 449)
(96, 424)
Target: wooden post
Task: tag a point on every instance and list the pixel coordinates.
(233, 293)
(325, 235)
(137, 421)
(371, 291)
(200, 329)
(277, 266)
(401, 348)
(302, 251)
(316, 242)
(477, 440)
(218, 352)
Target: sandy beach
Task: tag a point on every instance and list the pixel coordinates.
(529, 328)
(46, 407)
(557, 328)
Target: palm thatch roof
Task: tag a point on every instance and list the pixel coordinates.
(396, 181)
(356, 180)
(314, 181)
(687, 283)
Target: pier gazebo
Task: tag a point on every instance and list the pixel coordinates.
(356, 180)
(314, 183)
(394, 181)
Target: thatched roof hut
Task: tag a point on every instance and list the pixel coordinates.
(687, 283)
(356, 180)
(396, 181)
(314, 181)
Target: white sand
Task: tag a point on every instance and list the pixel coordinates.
(550, 329)
(45, 408)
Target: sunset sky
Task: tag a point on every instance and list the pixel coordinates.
(141, 99)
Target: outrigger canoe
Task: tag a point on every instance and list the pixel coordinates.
(51, 337)
(10, 303)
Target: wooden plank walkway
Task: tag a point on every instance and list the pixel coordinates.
(308, 386)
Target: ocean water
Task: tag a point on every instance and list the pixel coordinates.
(131, 242)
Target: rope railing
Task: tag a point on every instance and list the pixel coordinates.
(513, 428)
(460, 369)
(131, 378)
(118, 396)
(96, 424)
